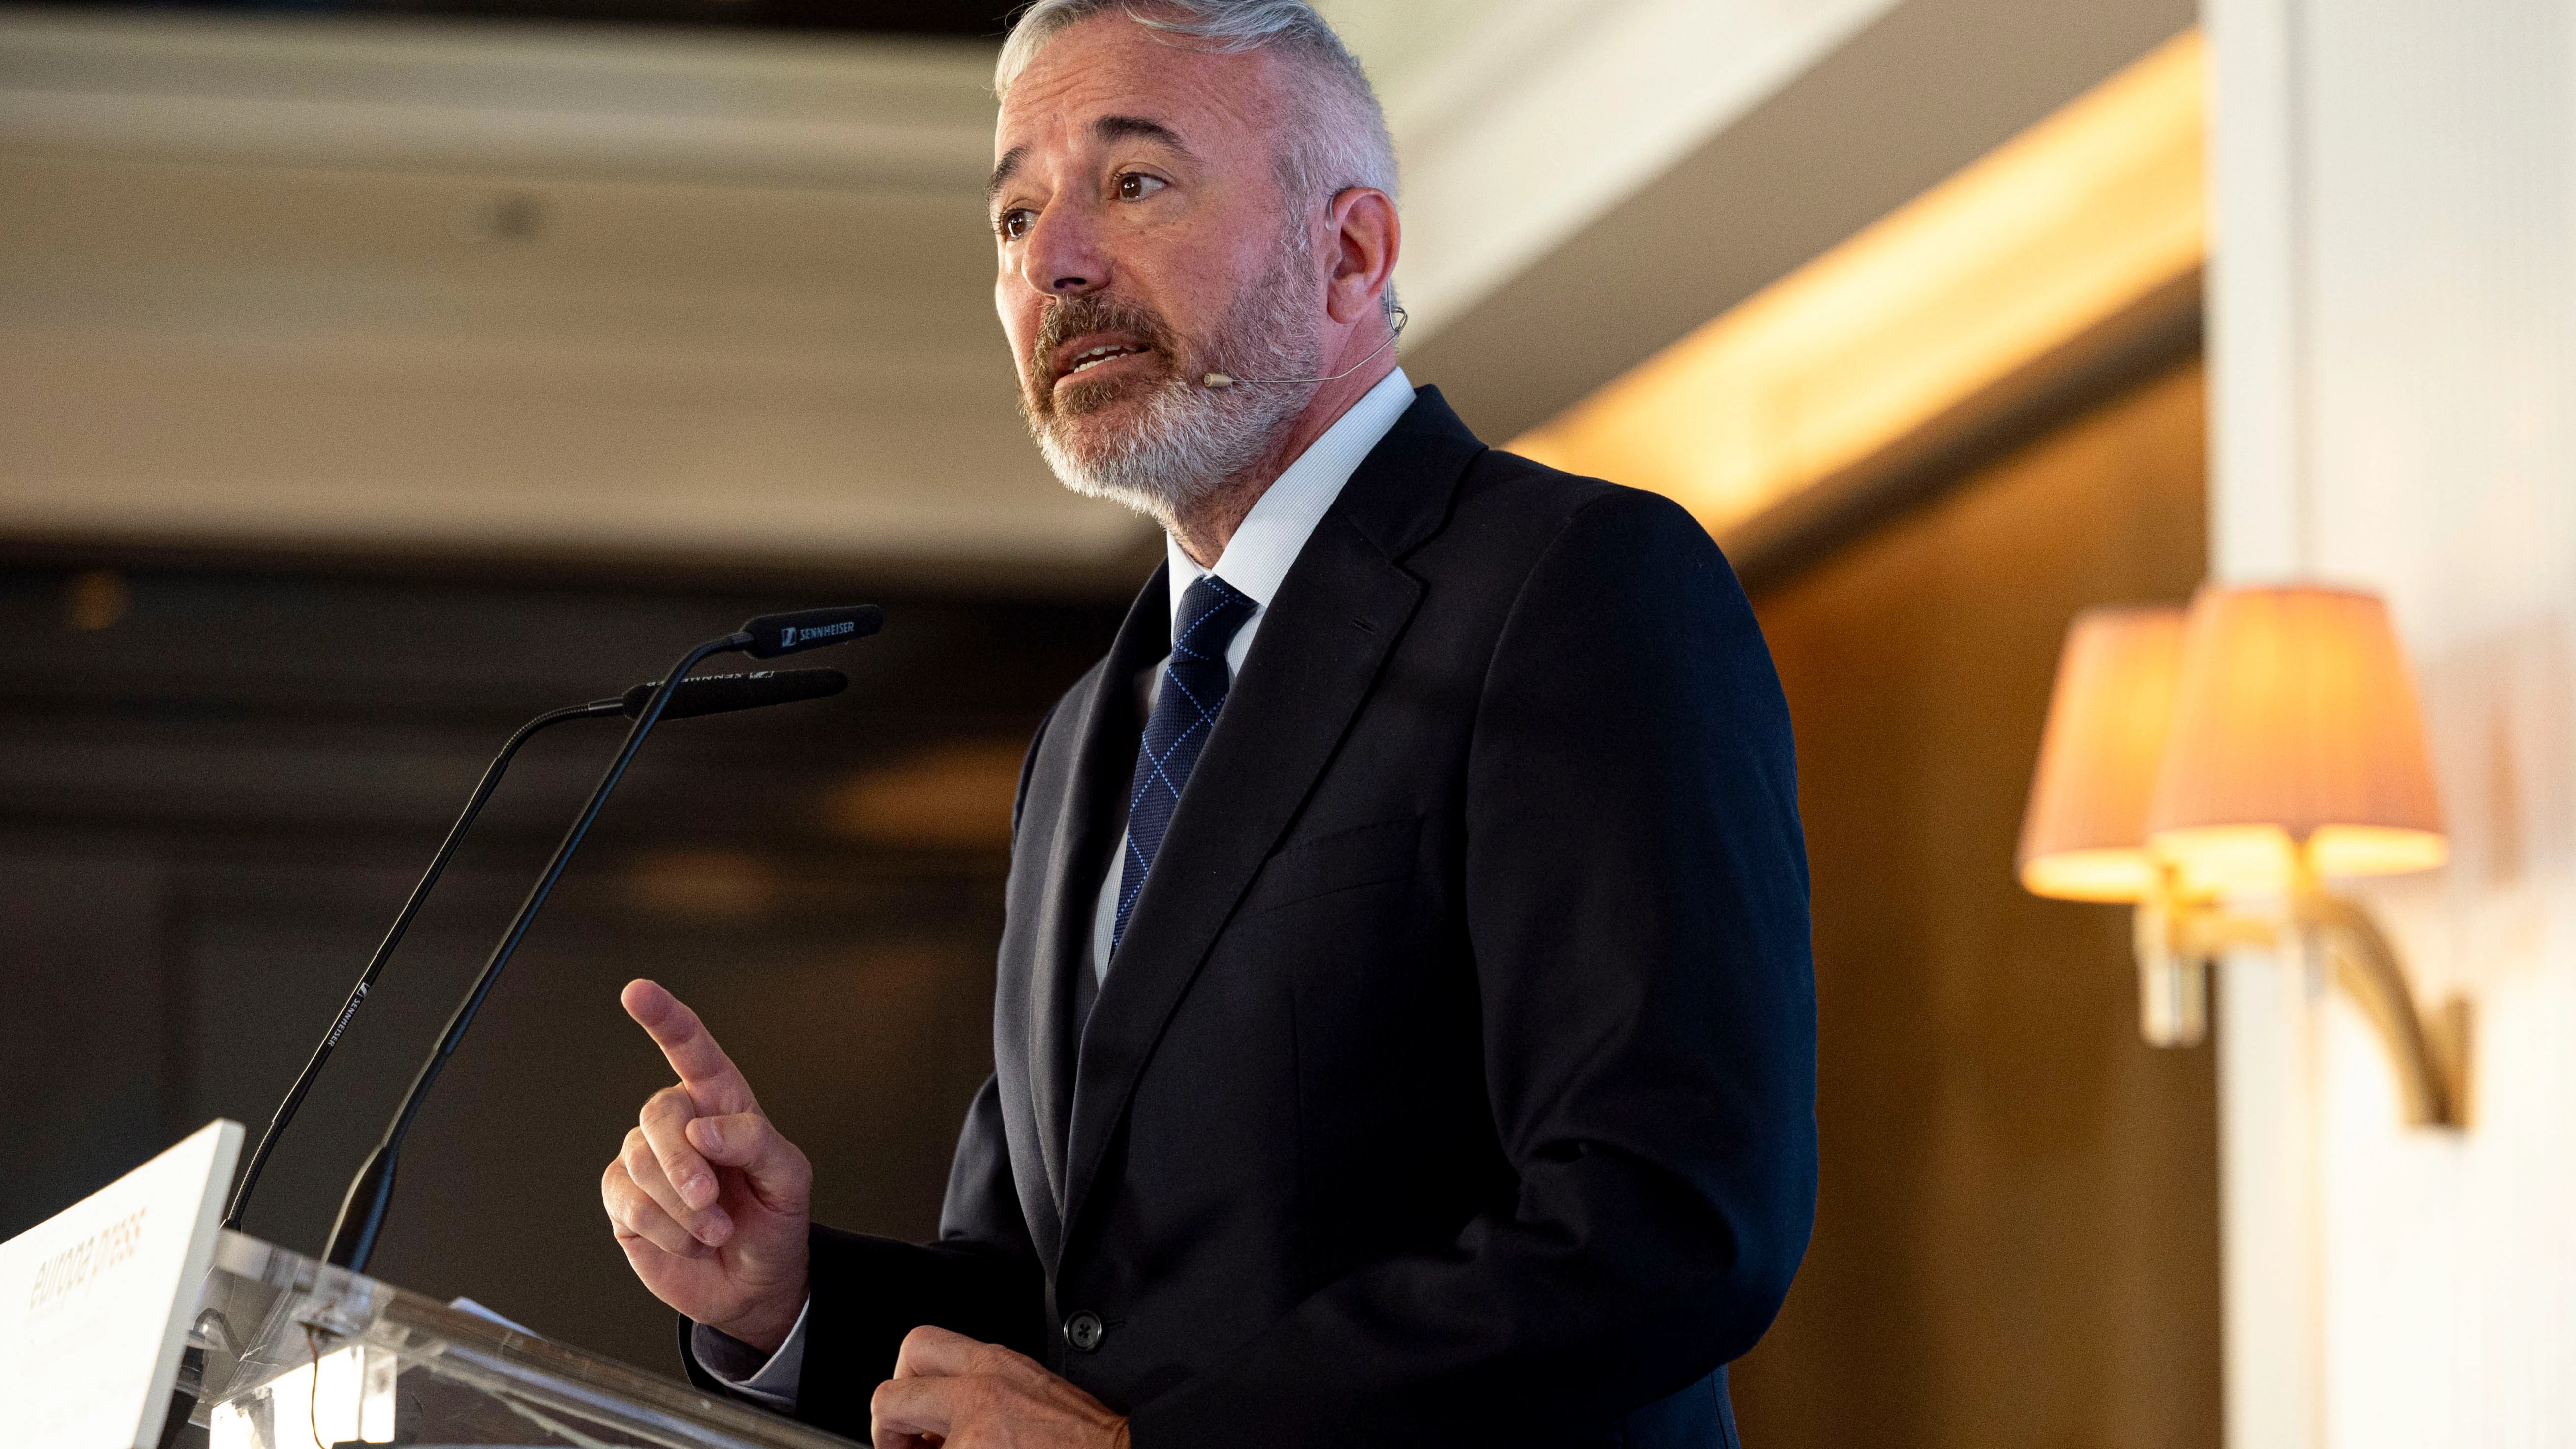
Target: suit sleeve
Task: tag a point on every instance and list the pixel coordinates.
(981, 1278)
(1636, 898)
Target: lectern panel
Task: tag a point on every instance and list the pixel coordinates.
(297, 1354)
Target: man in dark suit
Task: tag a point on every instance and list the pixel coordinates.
(1404, 1030)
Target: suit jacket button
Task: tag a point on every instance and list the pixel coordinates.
(1084, 1331)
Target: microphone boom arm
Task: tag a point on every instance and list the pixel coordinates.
(362, 1212)
(706, 694)
(304, 1080)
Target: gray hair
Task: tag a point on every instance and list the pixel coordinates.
(1339, 138)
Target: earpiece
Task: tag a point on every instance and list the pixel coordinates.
(1220, 380)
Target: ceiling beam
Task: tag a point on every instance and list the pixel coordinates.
(1904, 103)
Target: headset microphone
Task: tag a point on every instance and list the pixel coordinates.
(1219, 379)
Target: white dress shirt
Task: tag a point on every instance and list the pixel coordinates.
(1257, 558)
(1255, 561)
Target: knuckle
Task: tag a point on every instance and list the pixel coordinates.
(668, 1154)
(652, 1187)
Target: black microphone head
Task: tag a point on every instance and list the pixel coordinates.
(723, 693)
(776, 634)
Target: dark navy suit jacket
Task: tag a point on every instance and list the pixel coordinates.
(1454, 1080)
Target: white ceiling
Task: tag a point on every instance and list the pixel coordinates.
(1520, 121)
(471, 289)
(462, 288)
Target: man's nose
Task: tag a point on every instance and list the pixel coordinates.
(1061, 256)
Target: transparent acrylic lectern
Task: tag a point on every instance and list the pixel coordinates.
(297, 1354)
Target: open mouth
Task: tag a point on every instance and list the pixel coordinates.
(1083, 354)
(1083, 361)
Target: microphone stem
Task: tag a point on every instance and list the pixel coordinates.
(287, 1109)
(362, 1213)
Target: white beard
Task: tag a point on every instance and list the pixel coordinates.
(1191, 439)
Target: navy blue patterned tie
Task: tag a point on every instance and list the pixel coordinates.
(1194, 686)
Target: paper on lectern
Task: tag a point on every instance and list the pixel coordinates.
(95, 1301)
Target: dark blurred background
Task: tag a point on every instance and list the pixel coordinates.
(216, 788)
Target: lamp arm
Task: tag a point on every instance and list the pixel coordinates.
(2367, 966)
(2176, 938)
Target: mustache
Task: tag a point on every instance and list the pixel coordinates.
(1094, 312)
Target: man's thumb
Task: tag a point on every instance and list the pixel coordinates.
(746, 1140)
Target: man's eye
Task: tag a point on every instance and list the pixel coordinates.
(1015, 223)
(1136, 185)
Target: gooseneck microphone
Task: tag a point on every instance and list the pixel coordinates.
(362, 1212)
(1219, 379)
(708, 694)
(286, 1109)
(724, 693)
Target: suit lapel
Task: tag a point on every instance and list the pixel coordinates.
(1079, 778)
(1337, 614)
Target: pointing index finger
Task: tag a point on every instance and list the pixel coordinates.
(714, 1082)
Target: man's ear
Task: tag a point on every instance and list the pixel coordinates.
(1366, 234)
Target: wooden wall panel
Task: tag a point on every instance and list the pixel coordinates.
(2017, 1238)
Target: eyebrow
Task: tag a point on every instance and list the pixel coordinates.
(1002, 173)
(1119, 128)
(1107, 128)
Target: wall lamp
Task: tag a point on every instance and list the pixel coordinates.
(2216, 768)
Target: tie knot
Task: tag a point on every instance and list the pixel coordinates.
(1212, 610)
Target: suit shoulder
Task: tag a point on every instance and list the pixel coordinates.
(1508, 484)
(1058, 730)
(1069, 706)
(1046, 768)
(1029, 764)
(1549, 512)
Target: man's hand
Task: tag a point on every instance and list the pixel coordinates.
(706, 1198)
(952, 1391)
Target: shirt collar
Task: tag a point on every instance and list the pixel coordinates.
(1270, 537)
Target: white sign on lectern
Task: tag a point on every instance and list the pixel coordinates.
(95, 1301)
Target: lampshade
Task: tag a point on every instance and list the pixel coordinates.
(2083, 836)
(2296, 730)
